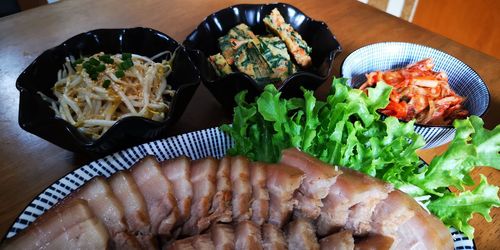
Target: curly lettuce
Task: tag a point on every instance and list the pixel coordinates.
(347, 130)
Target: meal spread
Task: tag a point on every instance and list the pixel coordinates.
(280, 185)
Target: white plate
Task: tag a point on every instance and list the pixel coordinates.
(199, 144)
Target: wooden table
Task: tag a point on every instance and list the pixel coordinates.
(29, 164)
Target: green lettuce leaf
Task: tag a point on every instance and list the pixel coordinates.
(347, 130)
(487, 143)
(472, 146)
(457, 210)
(244, 115)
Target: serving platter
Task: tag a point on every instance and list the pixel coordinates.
(198, 144)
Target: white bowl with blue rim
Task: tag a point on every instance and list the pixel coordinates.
(393, 55)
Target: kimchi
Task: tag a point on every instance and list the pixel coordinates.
(420, 93)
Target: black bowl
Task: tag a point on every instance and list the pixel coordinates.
(36, 117)
(203, 42)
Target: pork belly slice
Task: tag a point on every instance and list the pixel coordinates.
(63, 216)
(420, 231)
(89, 234)
(242, 188)
(390, 213)
(107, 208)
(319, 177)
(54, 223)
(178, 172)
(374, 242)
(260, 195)
(158, 194)
(282, 181)
(301, 234)
(222, 236)
(248, 236)
(221, 210)
(350, 202)
(342, 240)
(360, 214)
(184, 244)
(273, 238)
(198, 242)
(135, 208)
(203, 179)
(203, 241)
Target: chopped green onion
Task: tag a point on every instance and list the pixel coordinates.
(93, 61)
(79, 61)
(106, 59)
(119, 73)
(86, 65)
(106, 83)
(126, 56)
(127, 64)
(93, 75)
(100, 68)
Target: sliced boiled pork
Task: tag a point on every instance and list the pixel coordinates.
(351, 201)
(300, 234)
(421, 231)
(342, 240)
(204, 180)
(158, 194)
(282, 182)
(248, 236)
(374, 242)
(60, 227)
(222, 236)
(273, 238)
(242, 189)
(319, 177)
(221, 210)
(106, 207)
(260, 194)
(136, 212)
(178, 172)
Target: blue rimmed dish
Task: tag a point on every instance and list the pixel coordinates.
(393, 55)
(198, 144)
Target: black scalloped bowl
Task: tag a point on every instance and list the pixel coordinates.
(203, 41)
(36, 117)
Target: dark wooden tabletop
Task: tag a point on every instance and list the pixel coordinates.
(29, 164)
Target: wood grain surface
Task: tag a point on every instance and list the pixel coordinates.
(30, 164)
(473, 23)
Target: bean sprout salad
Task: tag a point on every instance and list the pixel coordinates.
(94, 92)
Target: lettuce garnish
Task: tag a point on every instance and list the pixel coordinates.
(347, 130)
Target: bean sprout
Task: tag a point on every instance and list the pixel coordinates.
(94, 92)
